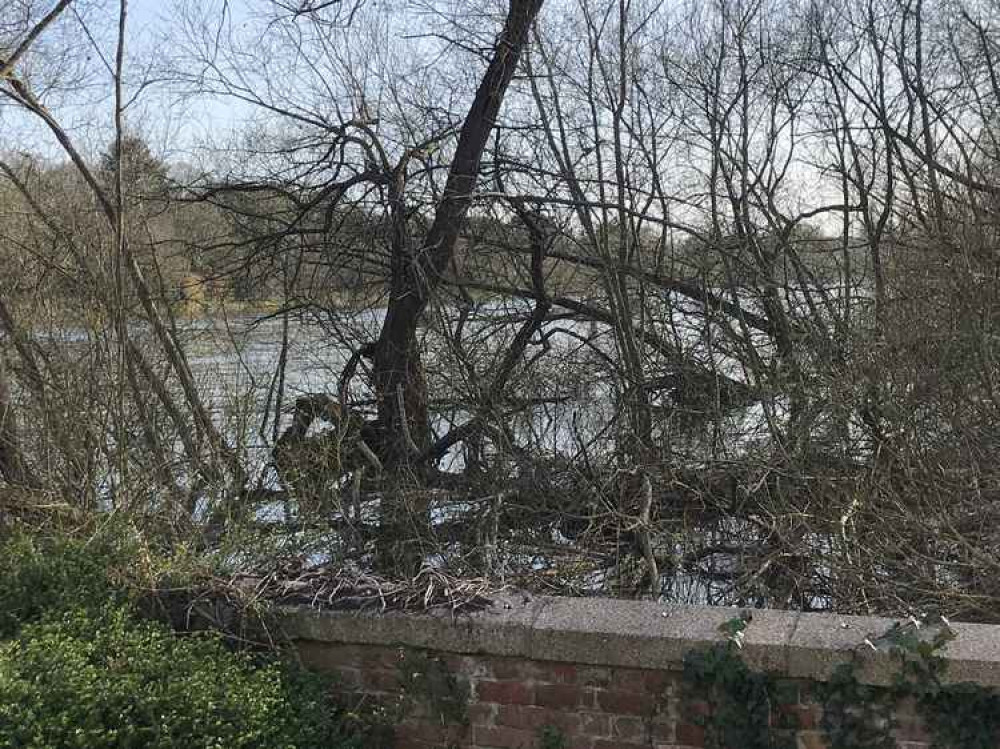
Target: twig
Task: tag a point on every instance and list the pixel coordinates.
(405, 422)
(643, 534)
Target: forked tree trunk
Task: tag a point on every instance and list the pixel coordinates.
(399, 380)
(400, 384)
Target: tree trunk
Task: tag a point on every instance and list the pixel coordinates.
(400, 384)
(399, 380)
(13, 468)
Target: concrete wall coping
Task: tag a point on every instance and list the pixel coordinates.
(646, 634)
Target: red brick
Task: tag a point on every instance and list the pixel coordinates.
(630, 679)
(662, 730)
(517, 669)
(504, 692)
(588, 698)
(658, 681)
(431, 731)
(381, 681)
(560, 696)
(511, 668)
(503, 738)
(593, 676)
(534, 718)
(695, 708)
(482, 713)
(628, 728)
(690, 734)
(625, 703)
(525, 717)
(597, 725)
(557, 673)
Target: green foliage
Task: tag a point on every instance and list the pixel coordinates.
(855, 715)
(739, 699)
(79, 668)
(958, 716)
(429, 679)
(962, 716)
(550, 737)
(45, 575)
(734, 630)
(106, 680)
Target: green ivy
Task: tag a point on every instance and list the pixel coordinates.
(962, 716)
(855, 715)
(428, 678)
(550, 737)
(739, 700)
(958, 716)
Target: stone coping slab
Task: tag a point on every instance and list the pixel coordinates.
(646, 634)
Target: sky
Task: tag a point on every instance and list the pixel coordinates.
(177, 126)
(190, 132)
(84, 105)
(152, 27)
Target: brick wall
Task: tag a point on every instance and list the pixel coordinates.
(518, 680)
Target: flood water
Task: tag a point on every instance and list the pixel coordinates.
(236, 362)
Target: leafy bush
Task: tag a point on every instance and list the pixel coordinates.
(106, 680)
(41, 576)
(80, 669)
